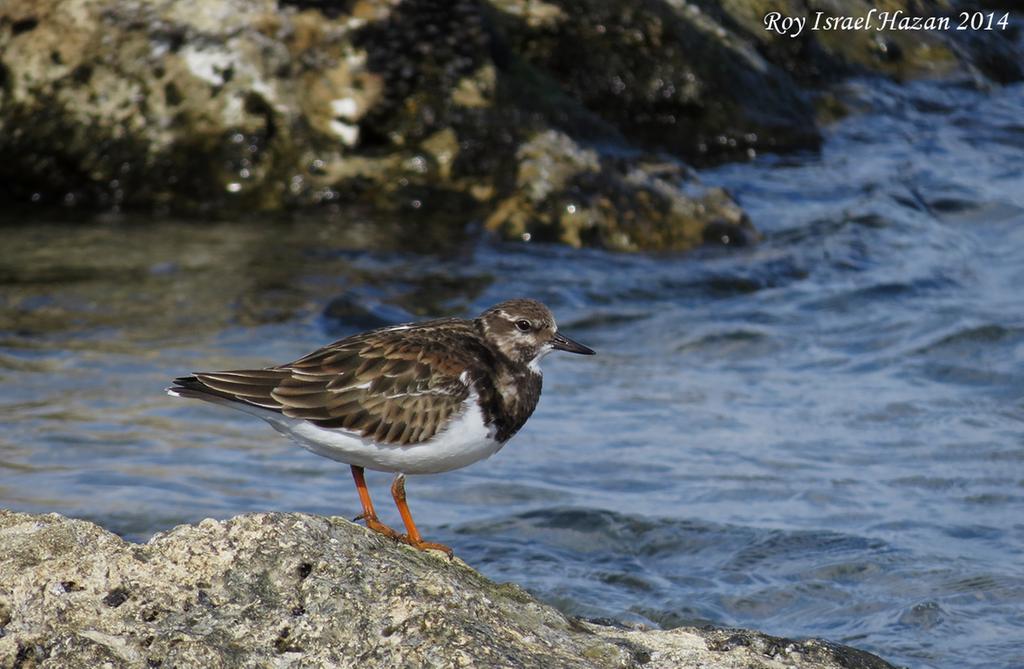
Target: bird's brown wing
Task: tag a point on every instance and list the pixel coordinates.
(396, 386)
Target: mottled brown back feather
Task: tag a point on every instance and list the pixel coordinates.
(375, 384)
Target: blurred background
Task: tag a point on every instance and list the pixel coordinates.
(798, 257)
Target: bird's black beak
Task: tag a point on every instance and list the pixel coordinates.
(562, 343)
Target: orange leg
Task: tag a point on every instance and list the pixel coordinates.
(369, 515)
(413, 537)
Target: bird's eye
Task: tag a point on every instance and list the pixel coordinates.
(523, 325)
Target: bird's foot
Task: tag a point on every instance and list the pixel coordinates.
(419, 544)
(380, 528)
(372, 523)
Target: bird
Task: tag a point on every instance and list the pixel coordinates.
(416, 398)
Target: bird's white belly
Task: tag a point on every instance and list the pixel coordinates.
(464, 441)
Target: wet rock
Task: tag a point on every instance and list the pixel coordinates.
(299, 590)
(567, 193)
(666, 76)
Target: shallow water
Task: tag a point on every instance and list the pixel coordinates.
(819, 435)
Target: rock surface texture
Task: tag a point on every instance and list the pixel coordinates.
(294, 590)
(567, 120)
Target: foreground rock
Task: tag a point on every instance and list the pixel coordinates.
(290, 590)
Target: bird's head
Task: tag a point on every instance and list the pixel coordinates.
(525, 331)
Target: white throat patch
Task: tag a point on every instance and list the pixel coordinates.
(534, 364)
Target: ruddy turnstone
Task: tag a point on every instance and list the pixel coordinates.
(421, 398)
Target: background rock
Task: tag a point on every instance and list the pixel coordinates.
(297, 590)
(236, 106)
